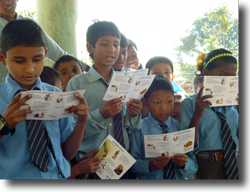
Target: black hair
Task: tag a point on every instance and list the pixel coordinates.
(67, 58)
(21, 32)
(216, 62)
(160, 83)
(50, 75)
(100, 29)
(124, 41)
(132, 43)
(158, 59)
(197, 79)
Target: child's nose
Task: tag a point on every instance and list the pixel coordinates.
(29, 68)
(111, 48)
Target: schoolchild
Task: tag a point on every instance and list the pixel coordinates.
(159, 99)
(51, 76)
(105, 117)
(8, 13)
(23, 52)
(215, 160)
(68, 66)
(133, 60)
(160, 65)
(123, 55)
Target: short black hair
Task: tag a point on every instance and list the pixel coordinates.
(158, 59)
(21, 32)
(124, 41)
(160, 83)
(100, 29)
(50, 75)
(67, 58)
(132, 43)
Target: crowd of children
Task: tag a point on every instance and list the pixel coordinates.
(165, 108)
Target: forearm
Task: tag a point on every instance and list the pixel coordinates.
(195, 121)
(75, 170)
(73, 142)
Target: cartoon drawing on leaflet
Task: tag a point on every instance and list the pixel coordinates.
(39, 115)
(47, 97)
(115, 155)
(118, 170)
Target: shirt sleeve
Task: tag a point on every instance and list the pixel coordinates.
(141, 166)
(54, 50)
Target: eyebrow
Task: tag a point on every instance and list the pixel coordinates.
(116, 41)
(20, 57)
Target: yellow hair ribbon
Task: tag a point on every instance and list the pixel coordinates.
(218, 56)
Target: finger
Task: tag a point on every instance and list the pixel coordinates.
(23, 112)
(206, 97)
(200, 92)
(23, 100)
(81, 98)
(19, 120)
(134, 105)
(15, 99)
(116, 100)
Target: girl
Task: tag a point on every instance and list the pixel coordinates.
(211, 154)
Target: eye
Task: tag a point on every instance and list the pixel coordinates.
(174, 116)
(104, 44)
(156, 102)
(170, 101)
(156, 73)
(19, 61)
(64, 73)
(37, 60)
(116, 45)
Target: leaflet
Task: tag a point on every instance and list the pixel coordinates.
(169, 143)
(223, 88)
(47, 105)
(128, 87)
(117, 159)
(140, 72)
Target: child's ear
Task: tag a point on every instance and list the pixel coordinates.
(2, 58)
(90, 48)
(46, 50)
(144, 102)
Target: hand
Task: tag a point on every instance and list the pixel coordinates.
(89, 165)
(178, 96)
(200, 104)
(134, 106)
(180, 159)
(12, 115)
(81, 110)
(111, 108)
(89, 155)
(158, 162)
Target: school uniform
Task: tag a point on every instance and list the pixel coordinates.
(209, 141)
(54, 50)
(125, 69)
(98, 128)
(14, 150)
(150, 126)
(177, 88)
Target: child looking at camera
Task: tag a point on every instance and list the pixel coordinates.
(159, 99)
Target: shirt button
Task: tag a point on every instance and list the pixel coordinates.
(110, 124)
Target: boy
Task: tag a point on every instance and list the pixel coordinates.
(7, 13)
(23, 52)
(68, 66)
(159, 99)
(122, 58)
(176, 111)
(103, 45)
(51, 76)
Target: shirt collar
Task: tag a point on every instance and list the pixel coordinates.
(154, 123)
(14, 88)
(95, 76)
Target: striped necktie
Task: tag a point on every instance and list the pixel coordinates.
(118, 129)
(169, 168)
(38, 144)
(229, 146)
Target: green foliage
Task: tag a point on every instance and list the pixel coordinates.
(86, 58)
(216, 29)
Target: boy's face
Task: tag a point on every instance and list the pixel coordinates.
(106, 51)
(67, 71)
(132, 61)
(160, 104)
(122, 58)
(7, 9)
(25, 64)
(176, 112)
(162, 69)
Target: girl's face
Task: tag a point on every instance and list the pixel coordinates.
(225, 69)
(132, 60)
(162, 69)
